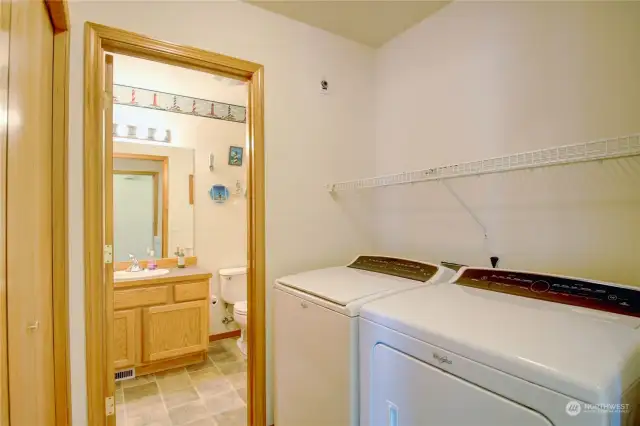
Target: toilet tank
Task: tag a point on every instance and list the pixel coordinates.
(233, 284)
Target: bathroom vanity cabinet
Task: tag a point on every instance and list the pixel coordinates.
(161, 322)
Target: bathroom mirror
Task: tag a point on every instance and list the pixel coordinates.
(153, 202)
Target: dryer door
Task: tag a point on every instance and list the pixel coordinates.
(408, 392)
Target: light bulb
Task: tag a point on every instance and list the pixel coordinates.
(131, 131)
(121, 130)
(160, 134)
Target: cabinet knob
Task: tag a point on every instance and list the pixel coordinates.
(304, 305)
(33, 326)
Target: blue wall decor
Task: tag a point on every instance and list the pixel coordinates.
(219, 193)
(235, 155)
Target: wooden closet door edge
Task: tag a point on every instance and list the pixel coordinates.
(5, 19)
(59, 181)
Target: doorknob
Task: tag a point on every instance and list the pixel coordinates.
(33, 326)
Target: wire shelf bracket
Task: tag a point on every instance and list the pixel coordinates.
(623, 146)
(464, 205)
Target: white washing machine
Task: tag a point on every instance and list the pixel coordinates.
(315, 335)
(502, 348)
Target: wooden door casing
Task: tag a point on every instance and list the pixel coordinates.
(99, 38)
(107, 173)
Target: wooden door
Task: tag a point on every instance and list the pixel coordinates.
(125, 338)
(171, 331)
(29, 211)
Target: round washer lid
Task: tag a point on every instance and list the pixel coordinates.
(240, 308)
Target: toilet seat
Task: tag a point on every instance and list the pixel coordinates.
(240, 308)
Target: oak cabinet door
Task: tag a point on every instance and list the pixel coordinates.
(125, 336)
(171, 331)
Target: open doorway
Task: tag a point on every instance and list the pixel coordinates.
(178, 186)
(181, 281)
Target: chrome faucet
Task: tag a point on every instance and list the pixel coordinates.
(135, 266)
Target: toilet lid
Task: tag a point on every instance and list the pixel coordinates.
(240, 307)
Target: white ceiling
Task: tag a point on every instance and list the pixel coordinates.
(370, 22)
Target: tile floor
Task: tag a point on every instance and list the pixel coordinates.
(213, 393)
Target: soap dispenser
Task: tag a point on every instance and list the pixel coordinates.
(151, 264)
(180, 255)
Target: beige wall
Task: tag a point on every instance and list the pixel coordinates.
(311, 139)
(477, 79)
(494, 78)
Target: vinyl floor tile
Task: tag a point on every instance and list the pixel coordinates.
(212, 393)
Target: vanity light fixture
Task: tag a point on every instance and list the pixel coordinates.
(130, 131)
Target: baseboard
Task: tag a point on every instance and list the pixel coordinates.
(168, 364)
(225, 335)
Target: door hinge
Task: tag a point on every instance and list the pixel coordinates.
(108, 254)
(110, 406)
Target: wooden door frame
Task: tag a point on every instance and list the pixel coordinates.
(100, 39)
(59, 15)
(165, 192)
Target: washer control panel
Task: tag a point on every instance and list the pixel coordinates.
(569, 291)
(397, 267)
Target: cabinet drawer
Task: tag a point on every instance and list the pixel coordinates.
(123, 299)
(191, 291)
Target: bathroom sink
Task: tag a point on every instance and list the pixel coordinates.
(140, 275)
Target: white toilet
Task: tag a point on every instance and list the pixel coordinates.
(233, 288)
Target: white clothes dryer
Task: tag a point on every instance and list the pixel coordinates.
(502, 348)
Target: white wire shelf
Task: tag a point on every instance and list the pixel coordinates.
(624, 146)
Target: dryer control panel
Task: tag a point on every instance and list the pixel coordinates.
(569, 291)
(397, 267)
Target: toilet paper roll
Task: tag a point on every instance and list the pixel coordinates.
(214, 299)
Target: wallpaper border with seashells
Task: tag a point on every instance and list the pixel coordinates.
(154, 99)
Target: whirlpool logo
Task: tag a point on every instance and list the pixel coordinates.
(442, 359)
